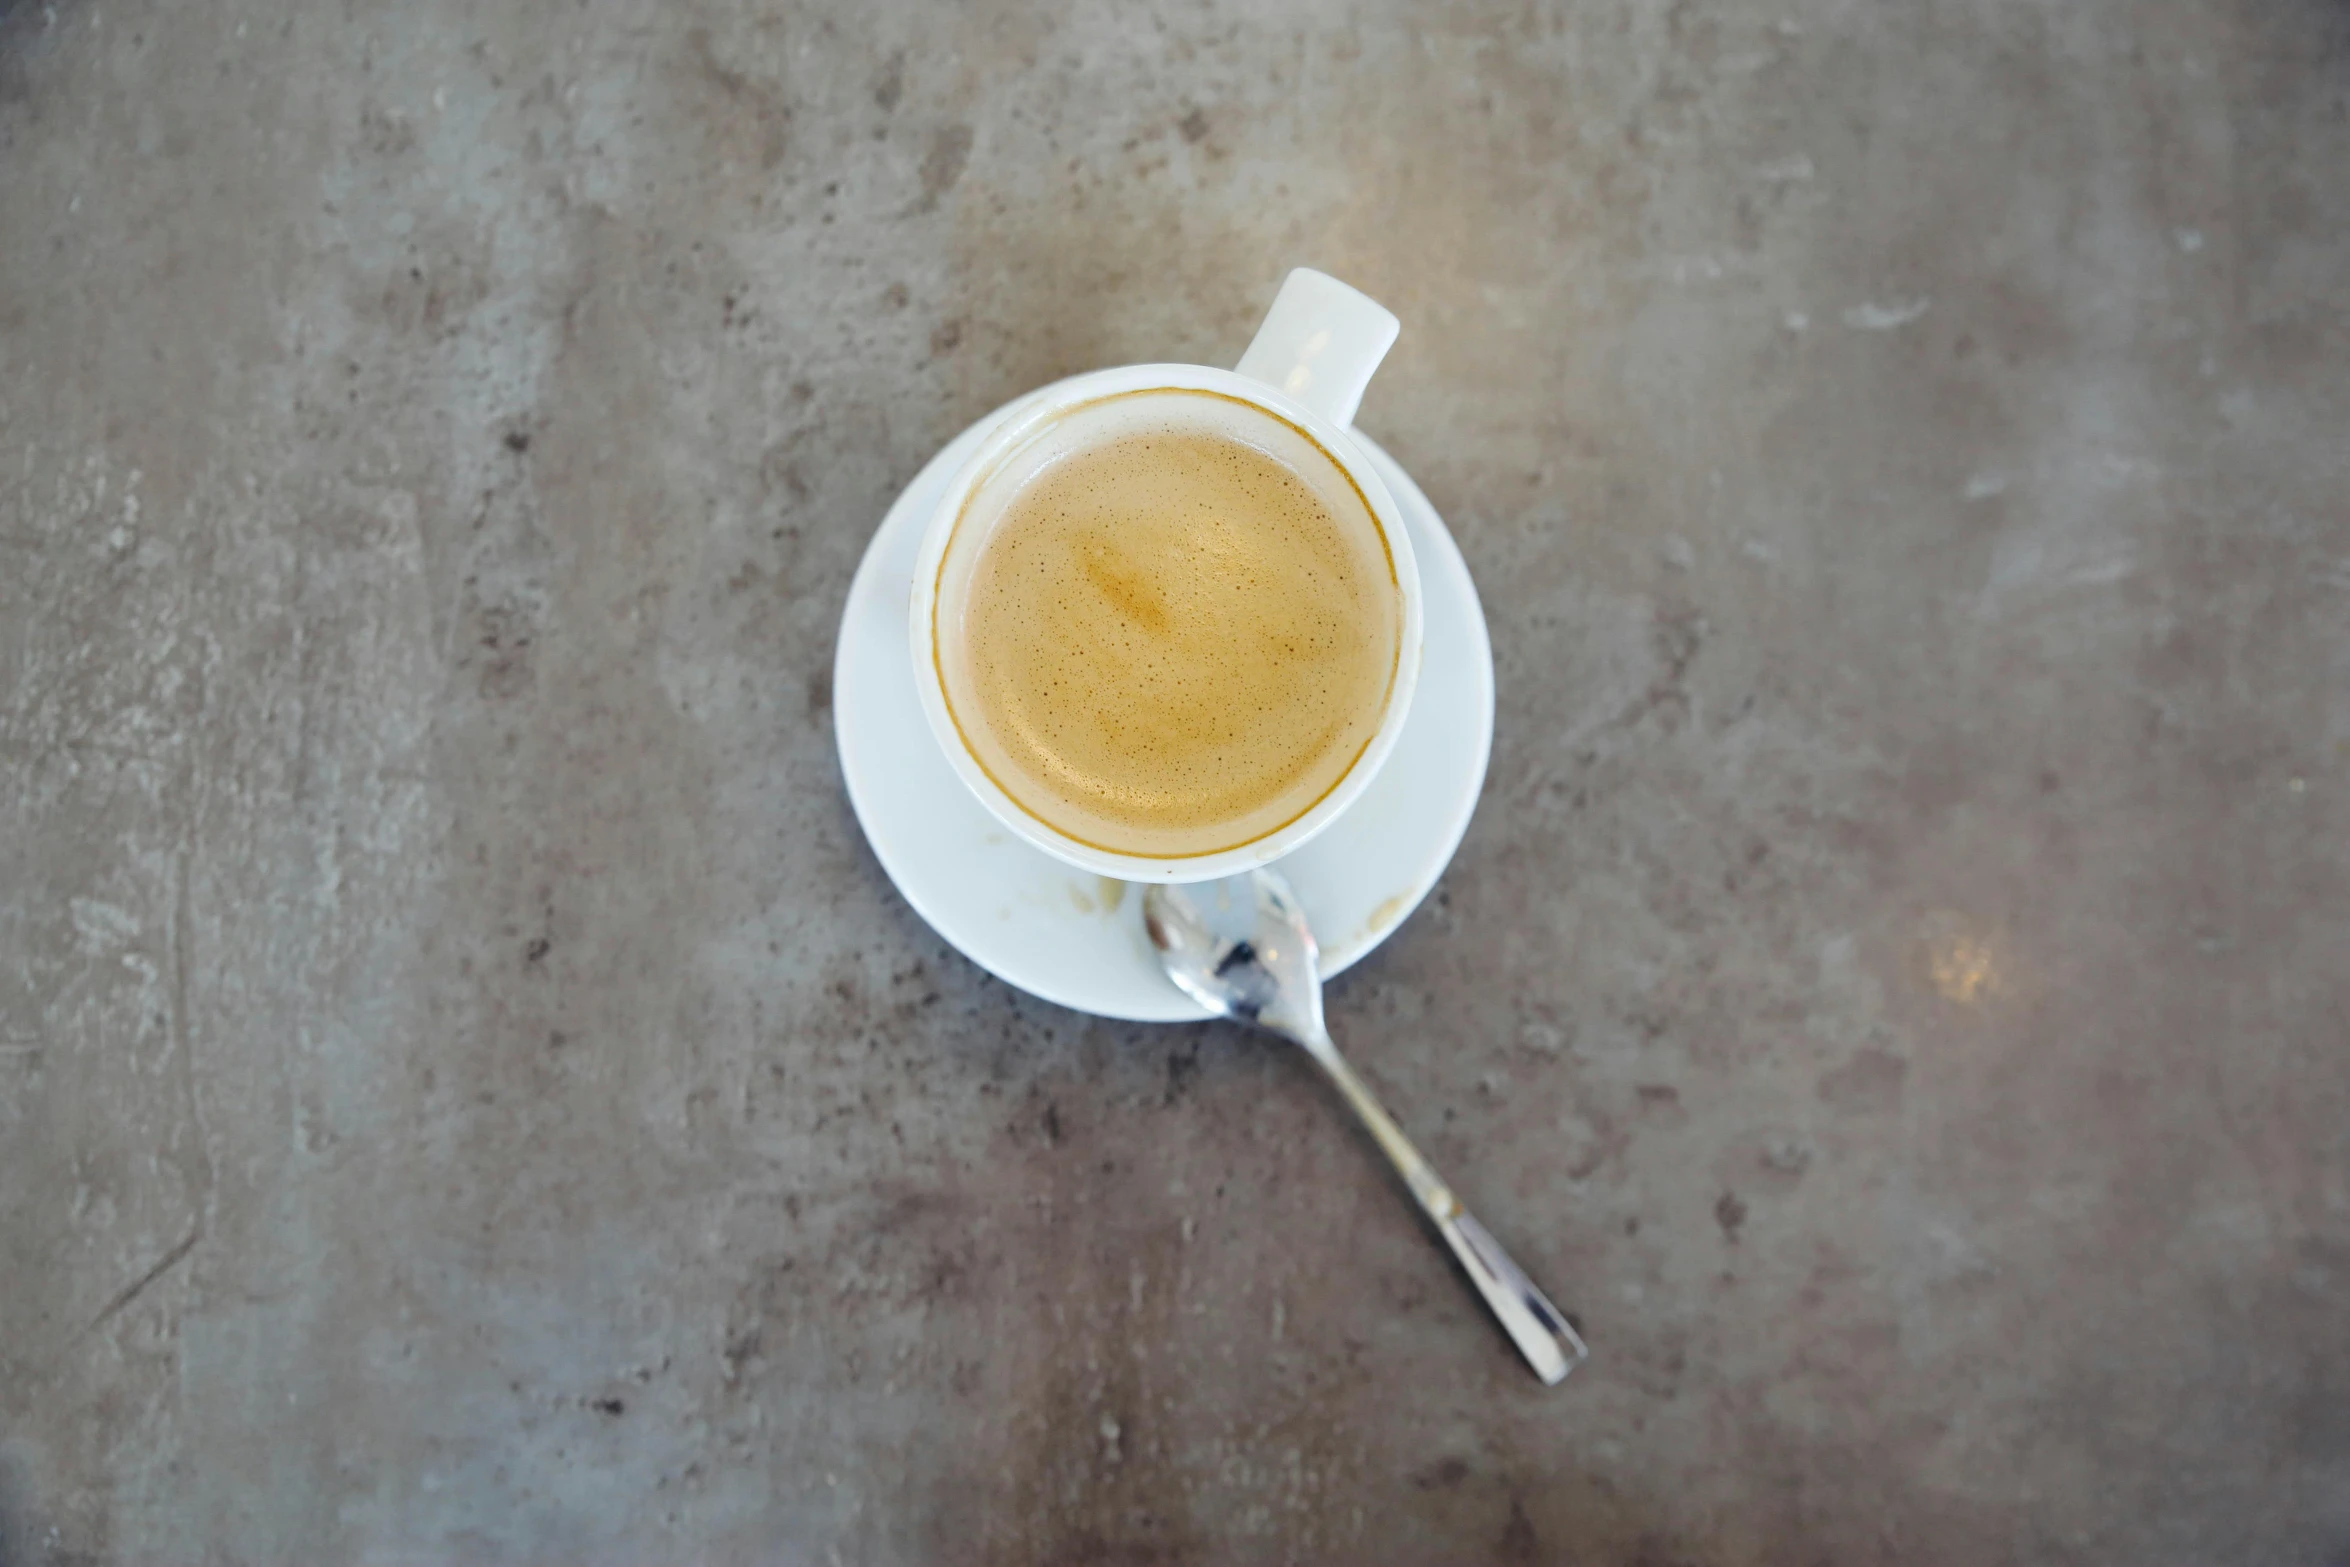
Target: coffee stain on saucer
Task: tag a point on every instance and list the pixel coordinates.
(1107, 894)
(1386, 914)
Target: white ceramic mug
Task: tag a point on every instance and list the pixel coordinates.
(1308, 366)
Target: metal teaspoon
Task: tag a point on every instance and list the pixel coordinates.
(1241, 947)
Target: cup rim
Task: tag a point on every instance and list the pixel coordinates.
(1021, 420)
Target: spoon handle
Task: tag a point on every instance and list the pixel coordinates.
(1539, 1329)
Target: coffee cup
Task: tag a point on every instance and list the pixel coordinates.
(1240, 642)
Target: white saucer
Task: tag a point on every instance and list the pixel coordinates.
(1077, 939)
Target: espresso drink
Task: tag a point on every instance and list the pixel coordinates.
(1168, 623)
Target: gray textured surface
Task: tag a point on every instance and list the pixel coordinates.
(466, 1092)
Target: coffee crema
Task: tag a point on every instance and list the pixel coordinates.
(1168, 623)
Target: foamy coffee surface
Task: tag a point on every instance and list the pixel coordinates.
(1168, 624)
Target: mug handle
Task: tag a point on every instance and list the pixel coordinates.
(1320, 343)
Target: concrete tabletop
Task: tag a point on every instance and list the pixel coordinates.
(468, 1093)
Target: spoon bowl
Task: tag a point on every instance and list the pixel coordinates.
(1240, 947)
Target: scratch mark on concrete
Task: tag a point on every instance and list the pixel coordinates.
(138, 1286)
